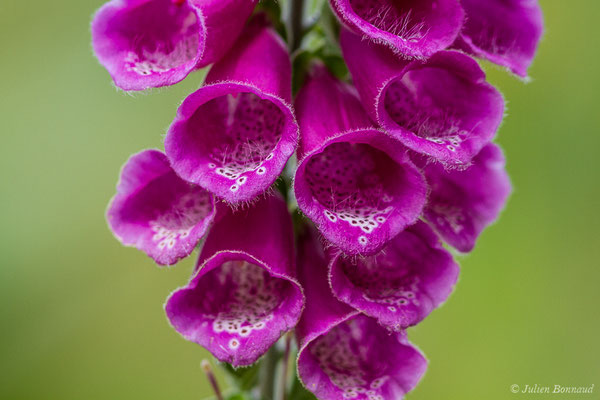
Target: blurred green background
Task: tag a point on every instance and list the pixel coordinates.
(82, 316)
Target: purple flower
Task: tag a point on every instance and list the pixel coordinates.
(505, 32)
(354, 181)
(153, 43)
(442, 107)
(402, 284)
(156, 211)
(417, 28)
(343, 354)
(463, 202)
(243, 295)
(234, 135)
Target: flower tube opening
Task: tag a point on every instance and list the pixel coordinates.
(148, 43)
(344, 354)
(358, 196)
(230, 142)
(400, 285)
(358, 359)
(236, 308)
(442, 111)
(504, 32)
(355, 182)
(234, 135)
(443, 108)
(463, 203)
(415, 28)
(356, 189)
(158, 212)
(243, 295)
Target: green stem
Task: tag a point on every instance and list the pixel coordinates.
(284, 367)
(267, 374)
(296, 26)
(269, 362)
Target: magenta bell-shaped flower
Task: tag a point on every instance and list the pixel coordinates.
(158, 212)
(354, 181)
(505, 32)
(462, 203)
(234, 135)
(412, 29)
(342, 353)
(442, 107)
(400, 285)
(243, 295)
(152, 43)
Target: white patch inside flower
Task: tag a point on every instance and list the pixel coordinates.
(252, 128)
(177, 223)
(345, 179)
(366, 218)
(166, 56)
(375, 278)
(255, 297)
(448, 215)
(342, 357)
(417, 112)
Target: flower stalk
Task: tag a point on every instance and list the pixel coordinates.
(206, 367)
(296, 25)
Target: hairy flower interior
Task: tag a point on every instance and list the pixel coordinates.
(434, 104)
(157, 36)
(390, 278)
(496, 41)
(239, 133)
(238, 298)
(405, 19)
(355, 183)
(447, 214)
(351, 359)
(170, 206)
(487, 34)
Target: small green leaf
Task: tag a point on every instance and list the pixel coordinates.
(312, 11)
(314, 40)
(336, 65)
(242, 378)
(238, 396)
(299, 392)
(273, 10)
(300, 66)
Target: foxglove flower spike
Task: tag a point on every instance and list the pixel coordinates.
(442, 107)
(243, 295)
(355, 182)
(234, 135)
(158, 212)
(342, 353)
